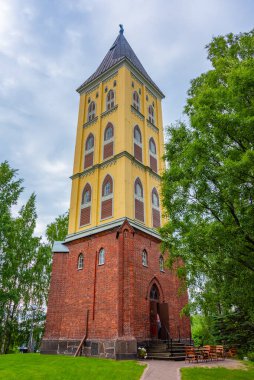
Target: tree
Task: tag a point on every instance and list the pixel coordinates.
(24, 265)
(57, 230)
(208, 187)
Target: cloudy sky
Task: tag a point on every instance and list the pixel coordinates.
(49, 47)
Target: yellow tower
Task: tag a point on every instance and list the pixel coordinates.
(119, 145)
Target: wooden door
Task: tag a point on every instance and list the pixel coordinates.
(153, 322)
(163, 313)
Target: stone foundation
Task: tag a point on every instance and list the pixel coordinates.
(111, 349)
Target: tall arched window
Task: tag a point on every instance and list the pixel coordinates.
(156, 218)
(139, 200)
(107, 198)
(161, 262)
(153, 155)
(81, 261)
(101, 258)
(89, 151)
(151, 114)
(91, 111)
(108, 144)
(137, 143)
(85, 212)
(154, 293)
(135, 100)
(144, 258)
(110, 100)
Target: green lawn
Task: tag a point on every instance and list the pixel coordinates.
(218, 373)
(56, 367)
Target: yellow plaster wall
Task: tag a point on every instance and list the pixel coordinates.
(123, 171)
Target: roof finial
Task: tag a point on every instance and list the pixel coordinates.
(121, 29)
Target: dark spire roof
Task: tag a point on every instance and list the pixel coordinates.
(119, 51)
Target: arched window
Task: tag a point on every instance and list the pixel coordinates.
(153, 155)
(107, 198)
(108, 145)
(101, 258)
(144, 258)
(85, 212)
(135, 100)
(161, 261)
(156, 218)
(151, 114)
(89, 151)
(137, 143)
(91, 111)
(110, 100)
(154, 293)
(139, 200)
(81, 261)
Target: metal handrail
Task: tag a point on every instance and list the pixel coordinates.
(169, 340)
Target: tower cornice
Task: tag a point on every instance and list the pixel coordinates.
(87, 87)
(112, 160)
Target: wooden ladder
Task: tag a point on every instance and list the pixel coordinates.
(79, 349)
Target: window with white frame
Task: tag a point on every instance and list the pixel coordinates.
(81, 261)
(161, 261)
(101, 259)
(110, 100)
(139, 200)
(91, 111)
(144, 258)
(151, 114)
(136, 100)
(137, 143)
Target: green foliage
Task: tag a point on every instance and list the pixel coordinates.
(201, 330)
(250, 356)
(51, 367)
(57, 230)
(208, 186)
(24, 264)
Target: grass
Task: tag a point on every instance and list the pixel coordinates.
(56, 367)
(218, 373)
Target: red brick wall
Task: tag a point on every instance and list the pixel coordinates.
(116, 293)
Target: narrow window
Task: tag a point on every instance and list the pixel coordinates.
(110, 100)
(153, 155)
(85, 212)
(108, 145)
(101, 260)
(144, 258)
(135, 100)
(81, 261)
(161, 260)
(137, 143)
(151, 114)
(91, 111)
(139, 200)
(89, 151)
(107, 198)
(156, 218)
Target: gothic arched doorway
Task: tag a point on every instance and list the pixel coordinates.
(159, 321)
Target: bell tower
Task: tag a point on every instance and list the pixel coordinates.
(119, 145)
(108, 270)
